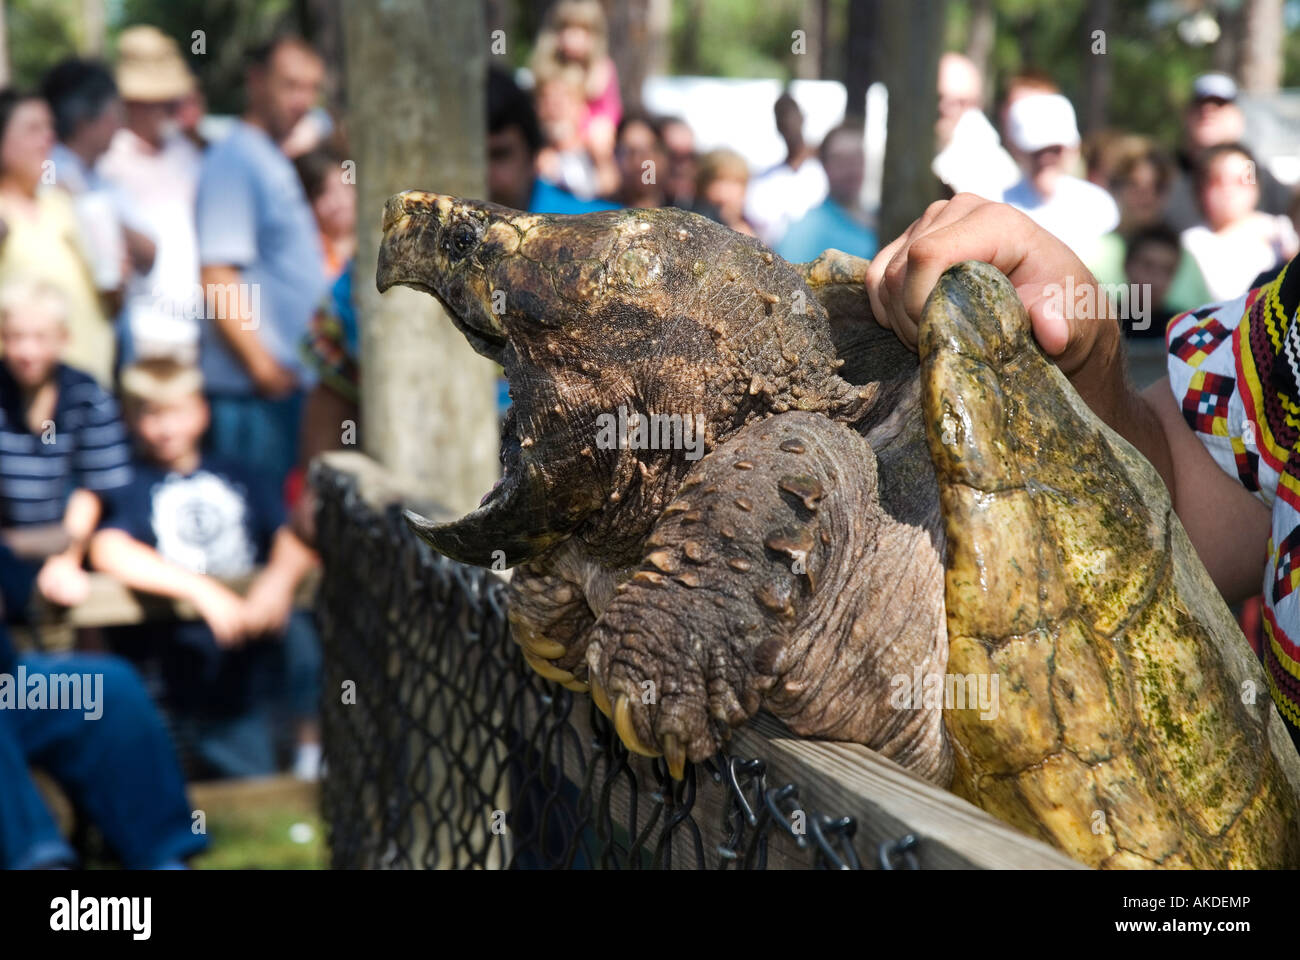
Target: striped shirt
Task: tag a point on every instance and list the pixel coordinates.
(84, 446)
(1234, 369)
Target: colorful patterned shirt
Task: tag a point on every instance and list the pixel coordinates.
(1234, 368)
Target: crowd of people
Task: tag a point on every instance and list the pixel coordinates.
(170, 315)
(1203, 224)
(179, 338)
(568, 146)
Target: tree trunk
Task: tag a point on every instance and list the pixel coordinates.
(637, 34)
(415, 73)
(5, 71)
(1097, 64)
(911, 35)
(325, 28)
(93, 26)
(861, 54)
(1263, 30)
(808, 64)
(979, 42)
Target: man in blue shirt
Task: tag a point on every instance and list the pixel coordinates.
(838, 222)
(262, 265)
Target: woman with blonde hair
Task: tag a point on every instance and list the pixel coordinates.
(574, 42)
(720, 185)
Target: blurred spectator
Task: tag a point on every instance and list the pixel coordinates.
(1102, 150)
(679, 146)
(721, 185)
(1213, 118)
(62, 444)
(113, 758)
(1152, 261)
(1045, 142)
(184, 520)
(155, 167)
(189, 117)
(1140, 178)
(785, 193)
(564, 160)
(642, 163)
(1024, 84)
(260, 248)
(970, 158)
(838, 222)
(574, 40)
(87, 113)
(333, 202)
(1237, 241)
(513, 142)
(39, 232)
(309, 133)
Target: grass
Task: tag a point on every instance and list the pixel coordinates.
(271, 824)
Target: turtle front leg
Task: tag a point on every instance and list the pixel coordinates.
(551, 621)
(775, 579)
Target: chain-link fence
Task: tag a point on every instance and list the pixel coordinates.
(444, 750)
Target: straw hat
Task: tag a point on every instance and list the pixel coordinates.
(149, 66)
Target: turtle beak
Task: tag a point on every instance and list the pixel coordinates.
(408, 216)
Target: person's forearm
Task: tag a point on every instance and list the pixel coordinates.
(290, 559)
(235, 323)
(141, 249)
(80, 518)
(139, 566)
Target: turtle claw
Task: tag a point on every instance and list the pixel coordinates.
(600, 697)
(545, 649)
(675, 755)
(547, 670)
(626, 731)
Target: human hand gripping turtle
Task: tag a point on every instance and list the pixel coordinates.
(859, 518)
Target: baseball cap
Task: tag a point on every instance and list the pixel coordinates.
(1214, 86)
(1042, 120)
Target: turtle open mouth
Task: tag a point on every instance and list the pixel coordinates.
(484, 341)
(510, 465)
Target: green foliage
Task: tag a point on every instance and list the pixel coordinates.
(41, 33)
(230, 28)
(735, 38)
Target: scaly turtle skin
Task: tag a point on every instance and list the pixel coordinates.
(800, 565)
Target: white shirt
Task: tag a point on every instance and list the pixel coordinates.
(1079, 213)
(783, 195)
(160, 186)
(1230, 261)
(974, 160)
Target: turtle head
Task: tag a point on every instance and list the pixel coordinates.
(467, 254)
(448, 248)
(632, 339)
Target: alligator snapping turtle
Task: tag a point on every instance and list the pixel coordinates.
(859, 522)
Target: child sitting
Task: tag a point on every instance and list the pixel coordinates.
(185, 523)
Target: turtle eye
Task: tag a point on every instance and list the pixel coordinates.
(462, 238)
